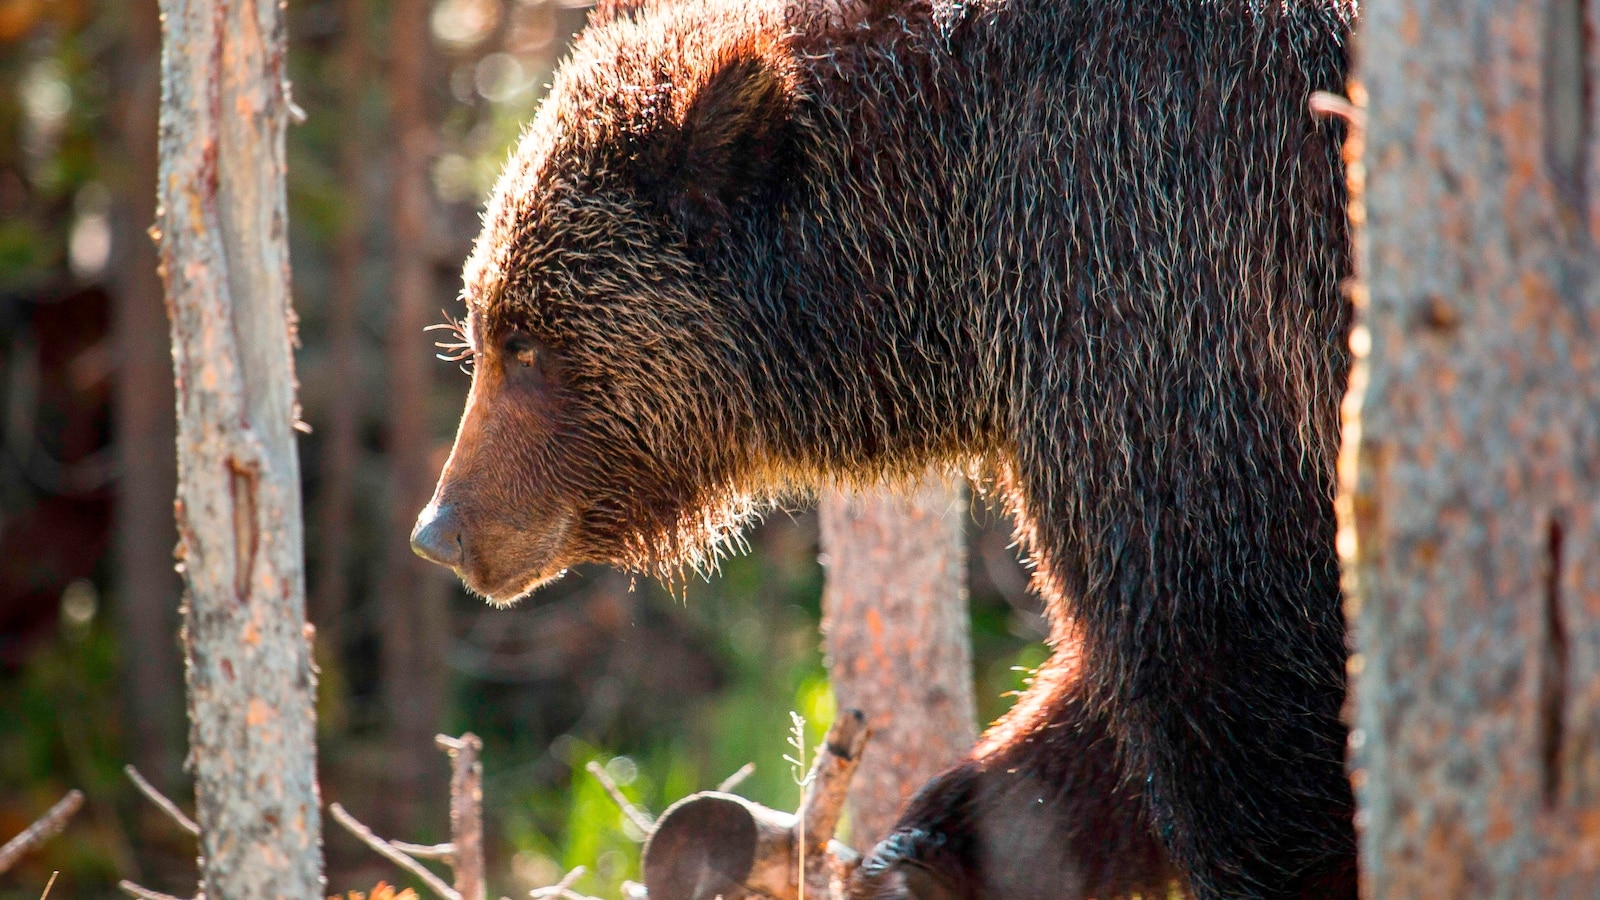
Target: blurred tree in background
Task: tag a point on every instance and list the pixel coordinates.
(412, 107)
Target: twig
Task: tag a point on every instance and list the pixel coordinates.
(563, 888)
(445, 853)
(144, 893)
(43, 829)
(49, 884)
(161, 801)
(1326, 104)
(732, 781)
(555, 890)
(466, 813)
(390, 852)
(640, 818)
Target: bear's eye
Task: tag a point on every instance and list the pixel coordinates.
(522, 349)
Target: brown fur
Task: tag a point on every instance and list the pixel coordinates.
(1087, 249)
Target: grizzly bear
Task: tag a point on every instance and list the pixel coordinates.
(1090, 250)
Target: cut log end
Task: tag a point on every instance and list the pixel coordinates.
(703, 847)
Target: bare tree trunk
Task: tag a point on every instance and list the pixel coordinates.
(898, 639)
(147, 589)
(224, 257)
(1471, 508)
(330, 599)
(416, 622)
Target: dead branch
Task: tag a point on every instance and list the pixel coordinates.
(716, 843)
(830, 777)
(166, 805)
(639, 816)
(43, 829)
(444, 853)
(390, 852)
(161, 801)
(737, 778)
(464, 853)
(466, 813)
(144, 893)
(563, 888)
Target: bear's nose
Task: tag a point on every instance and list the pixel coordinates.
(437, 537)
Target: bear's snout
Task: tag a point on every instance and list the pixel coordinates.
(438, 537)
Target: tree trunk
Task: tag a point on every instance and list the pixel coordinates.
(224, 257)
(147, 589)
(416, 623)
(898, 640)
(330, 598)
(1471, 529)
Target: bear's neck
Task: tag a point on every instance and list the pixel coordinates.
(859, 274)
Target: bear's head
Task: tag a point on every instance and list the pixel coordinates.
(609, 417)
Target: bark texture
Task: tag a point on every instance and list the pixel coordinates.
(898, 640)
(415, 616)
(224, 258)
(147, 590)
(1471, 531)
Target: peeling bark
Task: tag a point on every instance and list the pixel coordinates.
(224, 259)
(898, 640)
(1470, 506)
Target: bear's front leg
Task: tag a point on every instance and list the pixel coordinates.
(1040, 811)
(1244, 750)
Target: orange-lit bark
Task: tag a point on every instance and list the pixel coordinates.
(1471, 507)
(898, 640)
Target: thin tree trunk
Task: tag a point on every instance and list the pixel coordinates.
(330, 598)
(147, 589)
(224, 257)
(898, 639)
(1471, 529)
(416, 594)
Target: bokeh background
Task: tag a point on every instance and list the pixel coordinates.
(673, 689)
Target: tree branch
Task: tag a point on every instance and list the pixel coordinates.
(161, 801)
(644, 820)
(466, 813)
(563, 888)
(144, 893)
(444, 853)
(390, 852)
(732, 781)
(43, 829)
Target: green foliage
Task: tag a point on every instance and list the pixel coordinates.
(53, 737)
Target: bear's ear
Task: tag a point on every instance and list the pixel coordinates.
(606, 11)
(735, 139)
